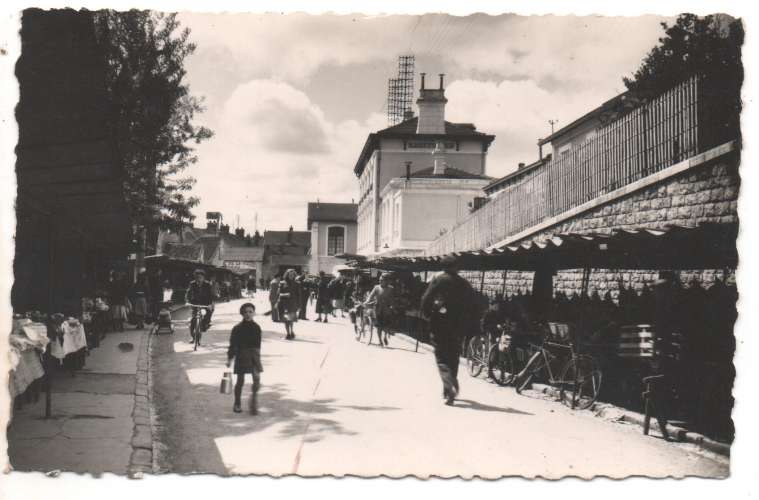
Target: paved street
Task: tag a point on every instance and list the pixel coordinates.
(331, 405)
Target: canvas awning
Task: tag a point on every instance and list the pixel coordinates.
(706, 246)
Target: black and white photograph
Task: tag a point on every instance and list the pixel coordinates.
(474, 245)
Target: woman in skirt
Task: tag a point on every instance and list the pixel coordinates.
(288, 303)
(245, 349)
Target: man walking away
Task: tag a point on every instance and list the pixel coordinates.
(303, 291)
(323, 297)
(450, 303)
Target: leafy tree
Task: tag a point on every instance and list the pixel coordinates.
(709, 46)
(152, 112)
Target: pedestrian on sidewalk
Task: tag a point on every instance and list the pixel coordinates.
(140, 295)
(382, 296)
(323, 298)
(303, 292)
(287, 302)
(245, 349)
(336, 293)
(450, 303)
(117, 295)
(273, 296)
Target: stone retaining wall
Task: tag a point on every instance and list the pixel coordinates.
(707, 193)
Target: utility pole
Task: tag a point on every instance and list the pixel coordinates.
(553, 122)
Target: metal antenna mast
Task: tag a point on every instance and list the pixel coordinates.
(400, 90)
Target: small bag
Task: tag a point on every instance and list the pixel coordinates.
(226, 383)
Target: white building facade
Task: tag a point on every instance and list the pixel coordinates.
(418, 178)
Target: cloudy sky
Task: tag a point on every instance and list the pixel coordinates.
(291, 98)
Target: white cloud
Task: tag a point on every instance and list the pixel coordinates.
(269, 155)
(517, 113)
(275, 148)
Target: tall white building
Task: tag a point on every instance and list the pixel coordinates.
(418, 178)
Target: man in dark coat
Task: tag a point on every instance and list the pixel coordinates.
(303, 291)
(323, 297)
(450, 303)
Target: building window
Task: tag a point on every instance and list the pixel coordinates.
(335, 240)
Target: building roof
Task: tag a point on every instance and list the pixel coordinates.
(407, 130)
(448, 173)
(299, 238)
(244, 254)
(184, 251)
(408, 127)
(332, 212)
(620, 102)
(501, 182)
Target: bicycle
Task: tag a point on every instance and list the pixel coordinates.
(580, 379)
(196, 324)
(482, 351)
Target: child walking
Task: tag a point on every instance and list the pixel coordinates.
(245, 349)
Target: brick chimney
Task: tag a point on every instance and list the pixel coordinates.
(438, 159)
(431, 105)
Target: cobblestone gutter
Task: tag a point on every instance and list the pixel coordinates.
(141, 460)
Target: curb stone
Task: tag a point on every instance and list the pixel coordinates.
(141, 460)
(678, 433)
(601, 409)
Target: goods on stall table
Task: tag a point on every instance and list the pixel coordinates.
(27, 341)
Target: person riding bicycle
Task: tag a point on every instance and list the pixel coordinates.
(200, 293)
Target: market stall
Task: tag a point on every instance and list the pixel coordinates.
(703, 316)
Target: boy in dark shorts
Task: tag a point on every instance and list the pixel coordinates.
(245, 349)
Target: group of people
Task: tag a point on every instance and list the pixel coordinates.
(137, 302)
(449, 302)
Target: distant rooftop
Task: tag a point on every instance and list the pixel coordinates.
(332, 212)
(407, 130)
(448, 173)
(299, 238)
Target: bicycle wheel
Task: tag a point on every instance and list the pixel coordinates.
(580, 383)
(533, 366)
(500, 366)
(475, 355)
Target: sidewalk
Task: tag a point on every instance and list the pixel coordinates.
(610, 412)
(99, 416)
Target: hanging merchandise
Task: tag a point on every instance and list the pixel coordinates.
(55, 333)
(74, 344)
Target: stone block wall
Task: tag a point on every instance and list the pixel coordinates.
(707, 193)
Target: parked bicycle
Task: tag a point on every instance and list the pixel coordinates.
(483, 351)
(578, 379)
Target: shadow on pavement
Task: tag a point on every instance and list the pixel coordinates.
(474, 405)
(193, 417)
